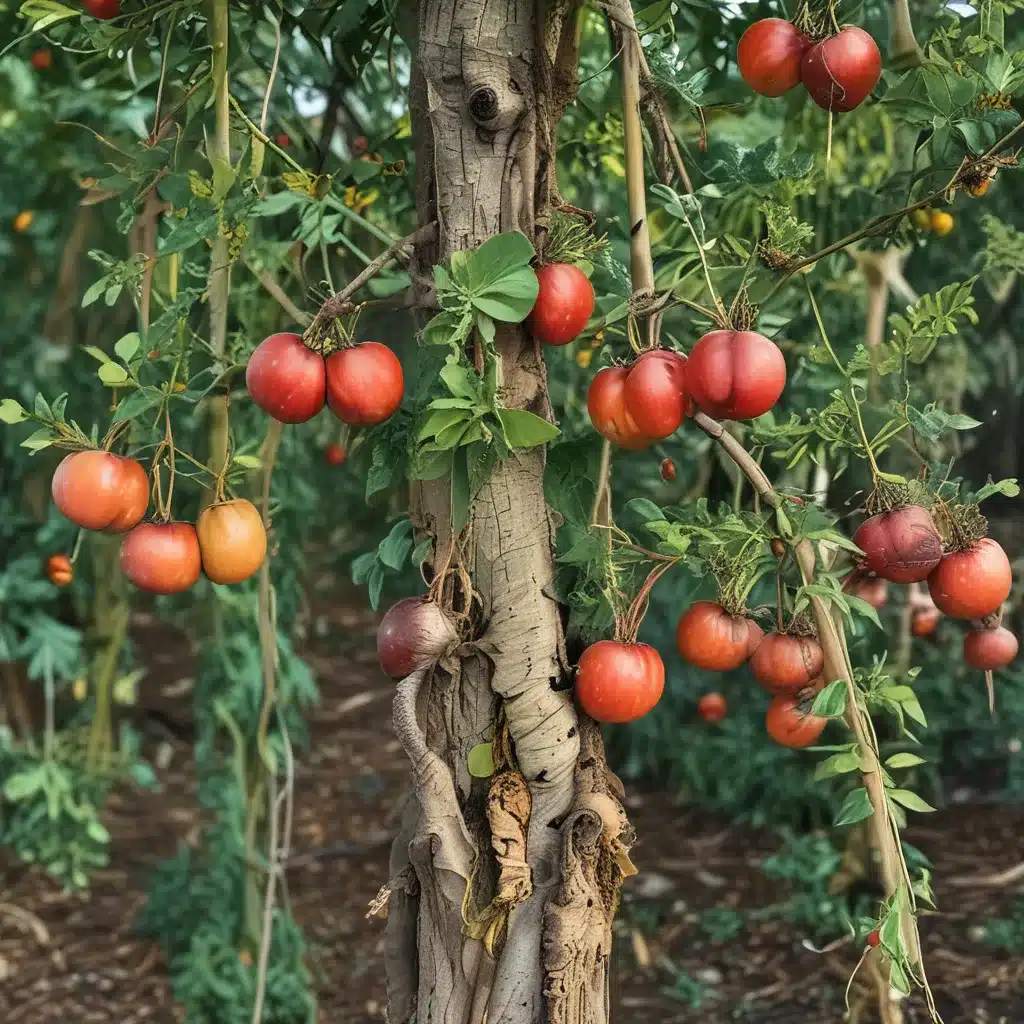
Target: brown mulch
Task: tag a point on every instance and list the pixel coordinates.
(75, 958)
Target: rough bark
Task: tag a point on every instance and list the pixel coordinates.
(505, 887)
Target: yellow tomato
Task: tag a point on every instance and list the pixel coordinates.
(922, 219)
(942, 222)
(23, 221)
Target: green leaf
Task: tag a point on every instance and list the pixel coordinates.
(127, 346)
(511, 298)
(441, 419)
(97, 832)
(498, 257)
(422, 552)
(838, 764)
(931, 422)
(831, 702)
(361, 566)
(247, 461)
(97, 353)
(905, 798)
(112, 374)
(461, 497)
(898, 978)
(457, 379)
(39, 440)
(11, 411)
(1008, 488)
(862, 607)
(395, 548)
(481, 761)
(137, 402)
(94, 291)
(24, 784)
(645, 510)
(223, 178)
(375, 584)
(449, 327)
(904, 760)
(856, 807)
(525, 430)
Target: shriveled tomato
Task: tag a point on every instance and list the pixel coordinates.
(606, 403)
(100, 491)
(334, 455)
(667, 469)
(655, 393)
(735, 375)
(785, 664)
(232, 540)
(924, 621)
(162, 558)
(973, 583)
(285, 379)
(790, 723)
(59, 570)
(989, 649)
(902, 546)
(103, 9)
(565, 302)
(618, 682)
(710, 638)
(365, 384)
(712, 707)
(769, 55)
(840, 72)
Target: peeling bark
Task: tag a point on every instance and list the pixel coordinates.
(505, 887)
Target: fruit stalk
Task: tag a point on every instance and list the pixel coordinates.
(837, 666)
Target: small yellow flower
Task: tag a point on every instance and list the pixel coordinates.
(23, 221)
(179, 386)
(79, 688)
(583, 357)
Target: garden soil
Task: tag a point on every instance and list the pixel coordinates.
(75, 958)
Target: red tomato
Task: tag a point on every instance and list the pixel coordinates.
(619, 682)
(667, 469)
(285, 379)
(925, 621)
(360, 145)
(59, 570)
(840, 72)
(735, 375)
(655, 393)
(710, 638)
(334, 455)
(103, 9)
(364, 384)
(872, 589)
(100, 491)
(989, 648)
(606, 404)
(162, 558)
(873, 938)
(712, 707)
(42, 59)
(790, 723)
(769, 56)
(902, 546)
(973, 583)
(565, 300)
(232, 540)
(785, 664)
(283, 140)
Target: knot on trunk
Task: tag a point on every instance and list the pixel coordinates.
(493, 103)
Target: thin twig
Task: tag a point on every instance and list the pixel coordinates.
(273, 75)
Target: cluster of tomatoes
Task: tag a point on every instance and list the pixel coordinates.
(735, 375)
(98, 490)
(362, 384)
(967, 582)
(788, 665)
(938, 222)
(838, 72)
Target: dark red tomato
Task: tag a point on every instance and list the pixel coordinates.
(925, 621)
(59, 570)
(285, 379)
(655, 393)
(606, 403)
(42, 59)
(365, 384)
(973, 583)
(360, 145)
(619, 682)
(334, 455)
(710, 638)
(989, 648)
(103, 9)
(873, 938)
(769, 56)
(840, 72)
(790, 723)
(872, 589)
(565, 300)
(667, 469)
(712, 707)
(162, 558)
(785, 664)
(100, 491)
(283, 140)
(735, 375)
(902, 546)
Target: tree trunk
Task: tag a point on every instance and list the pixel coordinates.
(502, 889)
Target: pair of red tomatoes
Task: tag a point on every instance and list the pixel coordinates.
(228, 543)
(363, 385)
(733, 375)
(838, 72)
